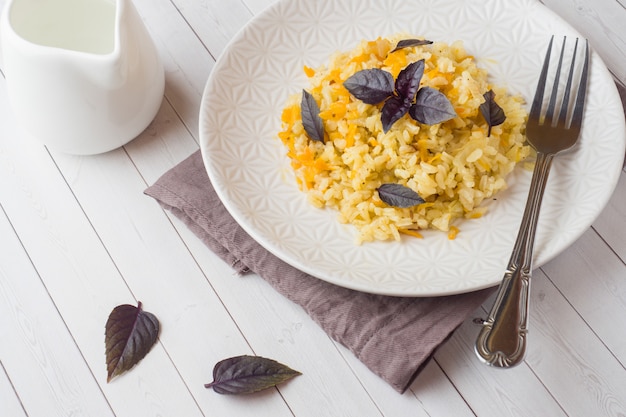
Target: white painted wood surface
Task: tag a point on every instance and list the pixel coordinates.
(78, 237)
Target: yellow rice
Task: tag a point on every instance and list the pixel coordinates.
(453, 165)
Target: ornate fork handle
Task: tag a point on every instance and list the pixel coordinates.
(502, 340)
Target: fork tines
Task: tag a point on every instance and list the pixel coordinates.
(562, 94)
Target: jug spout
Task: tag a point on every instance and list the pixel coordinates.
(124, 51)
(81, 74)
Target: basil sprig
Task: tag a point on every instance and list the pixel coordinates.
(426, 105)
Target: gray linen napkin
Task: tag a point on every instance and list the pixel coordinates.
(393, 336)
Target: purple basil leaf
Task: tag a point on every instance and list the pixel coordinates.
(371, 86)
(491, 111)
(398, 195)
(311, 120)
(130, 333)
(431, 107)
(408, 81)
(406, 43)
(247, 374)
(393, 110)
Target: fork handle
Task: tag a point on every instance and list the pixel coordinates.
(502, 340)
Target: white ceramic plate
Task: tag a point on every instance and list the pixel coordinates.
(262, 66)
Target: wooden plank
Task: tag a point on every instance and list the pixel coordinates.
(602, 22)
(214, 23)
(611, 224)
(37, 351)
(591, 277)
(438, 395)
(569, 358)
(432, 394)
(186, 60)
(10, 404)
(386, 398)
(257, 6)
(491, 391)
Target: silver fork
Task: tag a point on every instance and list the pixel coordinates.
(502, 339)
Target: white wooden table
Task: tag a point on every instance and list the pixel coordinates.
(78, 237)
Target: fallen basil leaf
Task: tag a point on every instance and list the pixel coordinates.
(406, 43)
(398, 195)
(247, 374)
(431, 107)
(311, 120)
(392, 111)
(491, 111)
(371, 86)
(130, 333)
(408, 81)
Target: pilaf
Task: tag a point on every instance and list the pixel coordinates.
(453, 166)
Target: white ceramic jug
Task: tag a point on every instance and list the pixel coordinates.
(83, 76)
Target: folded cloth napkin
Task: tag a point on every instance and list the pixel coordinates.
(393, 336)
